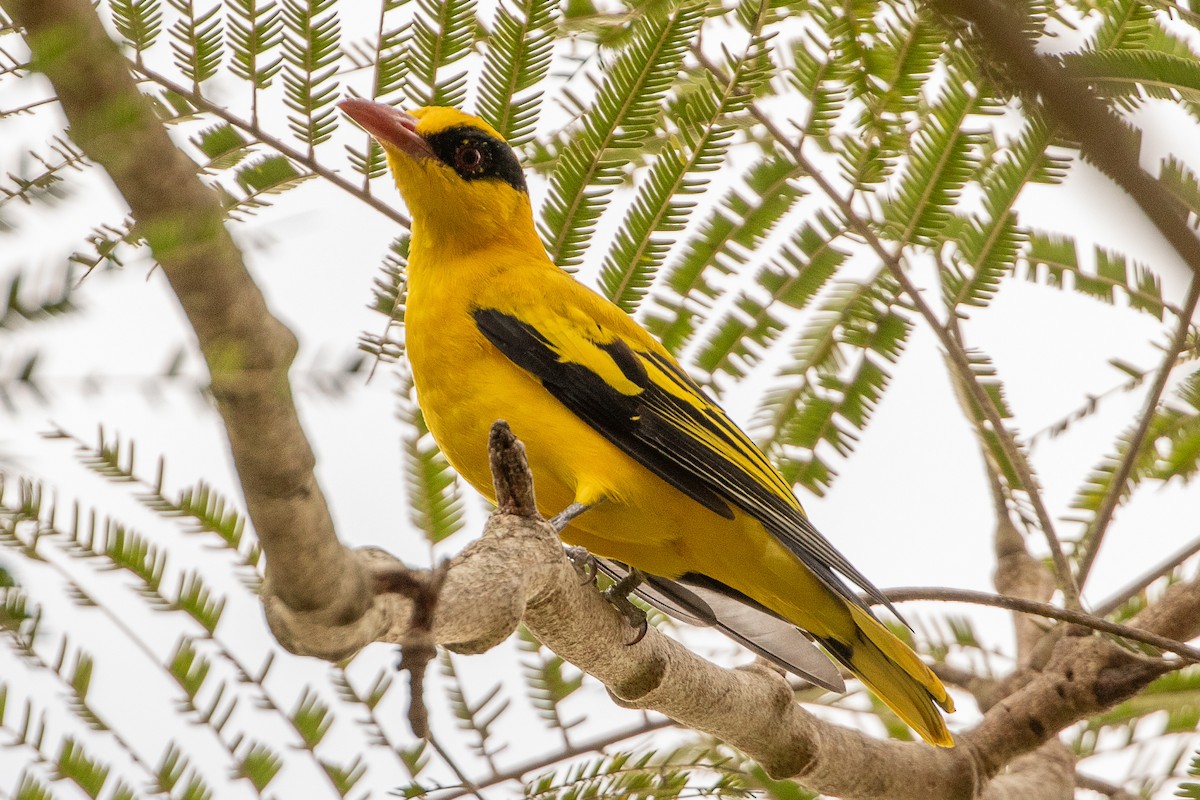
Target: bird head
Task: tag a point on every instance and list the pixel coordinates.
(461, 181)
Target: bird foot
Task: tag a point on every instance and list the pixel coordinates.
(584, 563)
(618, 595)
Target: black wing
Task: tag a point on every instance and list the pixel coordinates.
(671, 427)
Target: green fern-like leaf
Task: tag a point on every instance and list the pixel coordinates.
(793, 278)
(1052, 258)
(344, 778)
(108, 245)
(197, 601)
(138, 21)
(1123, 24)
(1177, 178)
(388, 294)
(134, 553)
(1129, 74)
(30, 788)
(983, 373)
(518, 57)
(816, 74)
(197, 41)
(259, 765)
(704, 132)
(1181, 455)
(255, 33)
(838, 375)
(990, 243)
(223, 145)
(40, 177)
(390, 63)
(311, 39)
(735, 228)
(75, 765)
(477, 717)
(621, 118)
(311, 718)
(50, 301)
(901, 63)
(189, 668)
(175, 773)
(550, 680)
(442, 34)
(262, 178)
(434, 496)
(651, 775)
(943, 155)
(1189, 790)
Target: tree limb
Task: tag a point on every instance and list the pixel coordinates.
(247, 351)
(1170, 644)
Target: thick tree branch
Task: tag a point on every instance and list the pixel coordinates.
(247, 350)
(1047, 773)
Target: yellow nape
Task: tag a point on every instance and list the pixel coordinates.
(435, 119)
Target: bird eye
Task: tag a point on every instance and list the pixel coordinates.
(469, 159)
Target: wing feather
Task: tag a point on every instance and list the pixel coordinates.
(698, 600)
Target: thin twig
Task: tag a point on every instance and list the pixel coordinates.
(276, 144)
(1123, 596)
(468, 786)
(1102, 787)
(958, 357)
(1094, 537)
(907, 594)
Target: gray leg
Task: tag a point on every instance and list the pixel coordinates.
(564, 517)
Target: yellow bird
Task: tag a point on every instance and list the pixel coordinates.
(612, 424)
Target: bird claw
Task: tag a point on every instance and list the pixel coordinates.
(584, 563)
(618, 595)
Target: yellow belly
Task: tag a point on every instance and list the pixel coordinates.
(464, 385)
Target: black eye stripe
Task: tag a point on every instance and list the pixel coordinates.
(496, 160)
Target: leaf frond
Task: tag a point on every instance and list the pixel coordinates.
(197, 40)
(442, 34)
(620, 119)
(311, 51)
(435, 498)
(792, 278)
(838, 374)
(518, 57)
(735, 227)
(1052, 260)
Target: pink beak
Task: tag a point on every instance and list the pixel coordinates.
(390, 126)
